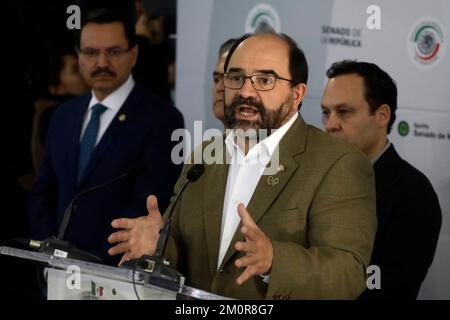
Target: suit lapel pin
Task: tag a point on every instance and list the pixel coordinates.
(122, 117)
(280, 168)
(271, 181)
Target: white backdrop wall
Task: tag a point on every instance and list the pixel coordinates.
(411, 46)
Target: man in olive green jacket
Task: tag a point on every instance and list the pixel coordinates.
(304, 231)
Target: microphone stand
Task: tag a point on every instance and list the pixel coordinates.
(58, 247)
(157, 270)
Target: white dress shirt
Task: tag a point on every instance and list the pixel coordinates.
(113, 103)
(243, 176)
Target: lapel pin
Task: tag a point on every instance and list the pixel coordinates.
(280, 168)
(271, 181)
(122, 117)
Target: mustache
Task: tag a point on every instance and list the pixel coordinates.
(100, 70)
(230, 110)
(239, 100)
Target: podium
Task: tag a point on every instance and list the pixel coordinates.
(70, 279)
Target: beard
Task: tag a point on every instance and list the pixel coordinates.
(268, 119)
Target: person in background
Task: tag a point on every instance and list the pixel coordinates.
(218, 88)
(152, 64)
(151, 39)
(359, 105)
(64, 83)
(99, 136)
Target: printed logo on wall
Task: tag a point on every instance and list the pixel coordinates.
(403, 128)
(262, 17)
(426, 42)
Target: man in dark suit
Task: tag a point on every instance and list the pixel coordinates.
(359, 105)
(99, 136)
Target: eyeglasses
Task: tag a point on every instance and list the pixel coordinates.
(111, 53)
(261, 82)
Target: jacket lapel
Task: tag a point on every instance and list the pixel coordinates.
(386, 172)
(73, 139)
(267, 191)
(216, 177)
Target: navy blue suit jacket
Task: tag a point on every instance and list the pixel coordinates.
(143, 136)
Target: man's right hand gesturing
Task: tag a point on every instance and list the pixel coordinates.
(138, 236)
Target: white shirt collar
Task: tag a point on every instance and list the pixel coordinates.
(267, 145)
(116, 99)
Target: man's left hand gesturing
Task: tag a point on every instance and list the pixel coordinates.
(257, 246)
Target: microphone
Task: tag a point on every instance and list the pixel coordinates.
(58, 246)
(131, 173)
(53, 247)
(156, 265)
(192, 175)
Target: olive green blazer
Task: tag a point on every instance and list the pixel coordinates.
(320, 217)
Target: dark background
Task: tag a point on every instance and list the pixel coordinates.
(30, 30)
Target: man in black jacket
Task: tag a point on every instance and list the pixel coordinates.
(359, 105)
